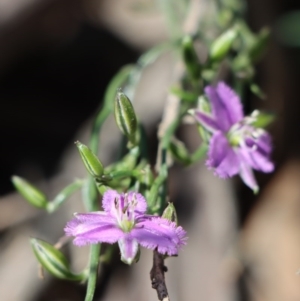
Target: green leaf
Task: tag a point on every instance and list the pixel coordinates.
(263, 120)
(190, 58)
(255, 89)
(32, 194)
(184, 95)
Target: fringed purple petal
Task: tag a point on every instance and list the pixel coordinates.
(141, 205)
(108, 200)
(221, 157)
(124, 221)
(247, 176)
(219, 108)
(231, 101)
(128, 247)
(207, 121)
(256, 159)
(264, 143)
(156, 232)
(92, 228)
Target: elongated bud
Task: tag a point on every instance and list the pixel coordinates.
(33, 195)
(90, 160)
(190, 58)
(222, 45)
(53, 260)
(125, 117)
(170, 213)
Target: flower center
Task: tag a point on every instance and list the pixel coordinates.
(242, 132)
(124, 209)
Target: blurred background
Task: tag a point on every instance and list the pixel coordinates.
(56, 59)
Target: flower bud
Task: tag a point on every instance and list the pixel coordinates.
(33, 195)
(170, 213)
(53, 260)
(90, 160)
(190, 58)
(125, 117)
(222, 45)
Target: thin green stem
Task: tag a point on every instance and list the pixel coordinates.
(63, 195)
(93, 272)
(91, 194)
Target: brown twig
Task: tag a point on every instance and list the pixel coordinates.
(157, 276)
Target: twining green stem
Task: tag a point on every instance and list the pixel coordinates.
(158, 183)
(108, 104)
(63, 195)
(93, 271)
(91, 194)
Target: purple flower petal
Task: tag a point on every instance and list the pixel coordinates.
(92, 228)
(264, 143)
(226, 105)
(159, 233)
(236, 145)
(108, 200)
(129, 248)
(221, 156)
(141, 205)
(232, 101)
(124, 221)
(247, 176)
(207, 121)
(256, 159)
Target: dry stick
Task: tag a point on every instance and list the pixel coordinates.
(157, 276)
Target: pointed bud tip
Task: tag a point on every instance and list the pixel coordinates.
(256, 190)
(93, 165)
(170, 213)
(125, 117)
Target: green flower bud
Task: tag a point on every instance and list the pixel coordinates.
(33, 195)
(90, 160)
(170, 213)
(222, 45)
(256, 90)
(190, 58)
(53, 260)
(125, 117)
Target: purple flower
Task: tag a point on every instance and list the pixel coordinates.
(124, 221)
(236, 146)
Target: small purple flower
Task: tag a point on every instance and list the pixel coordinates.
(236, 146)
(124, 221)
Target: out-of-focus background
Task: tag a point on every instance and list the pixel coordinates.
(56, 58)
